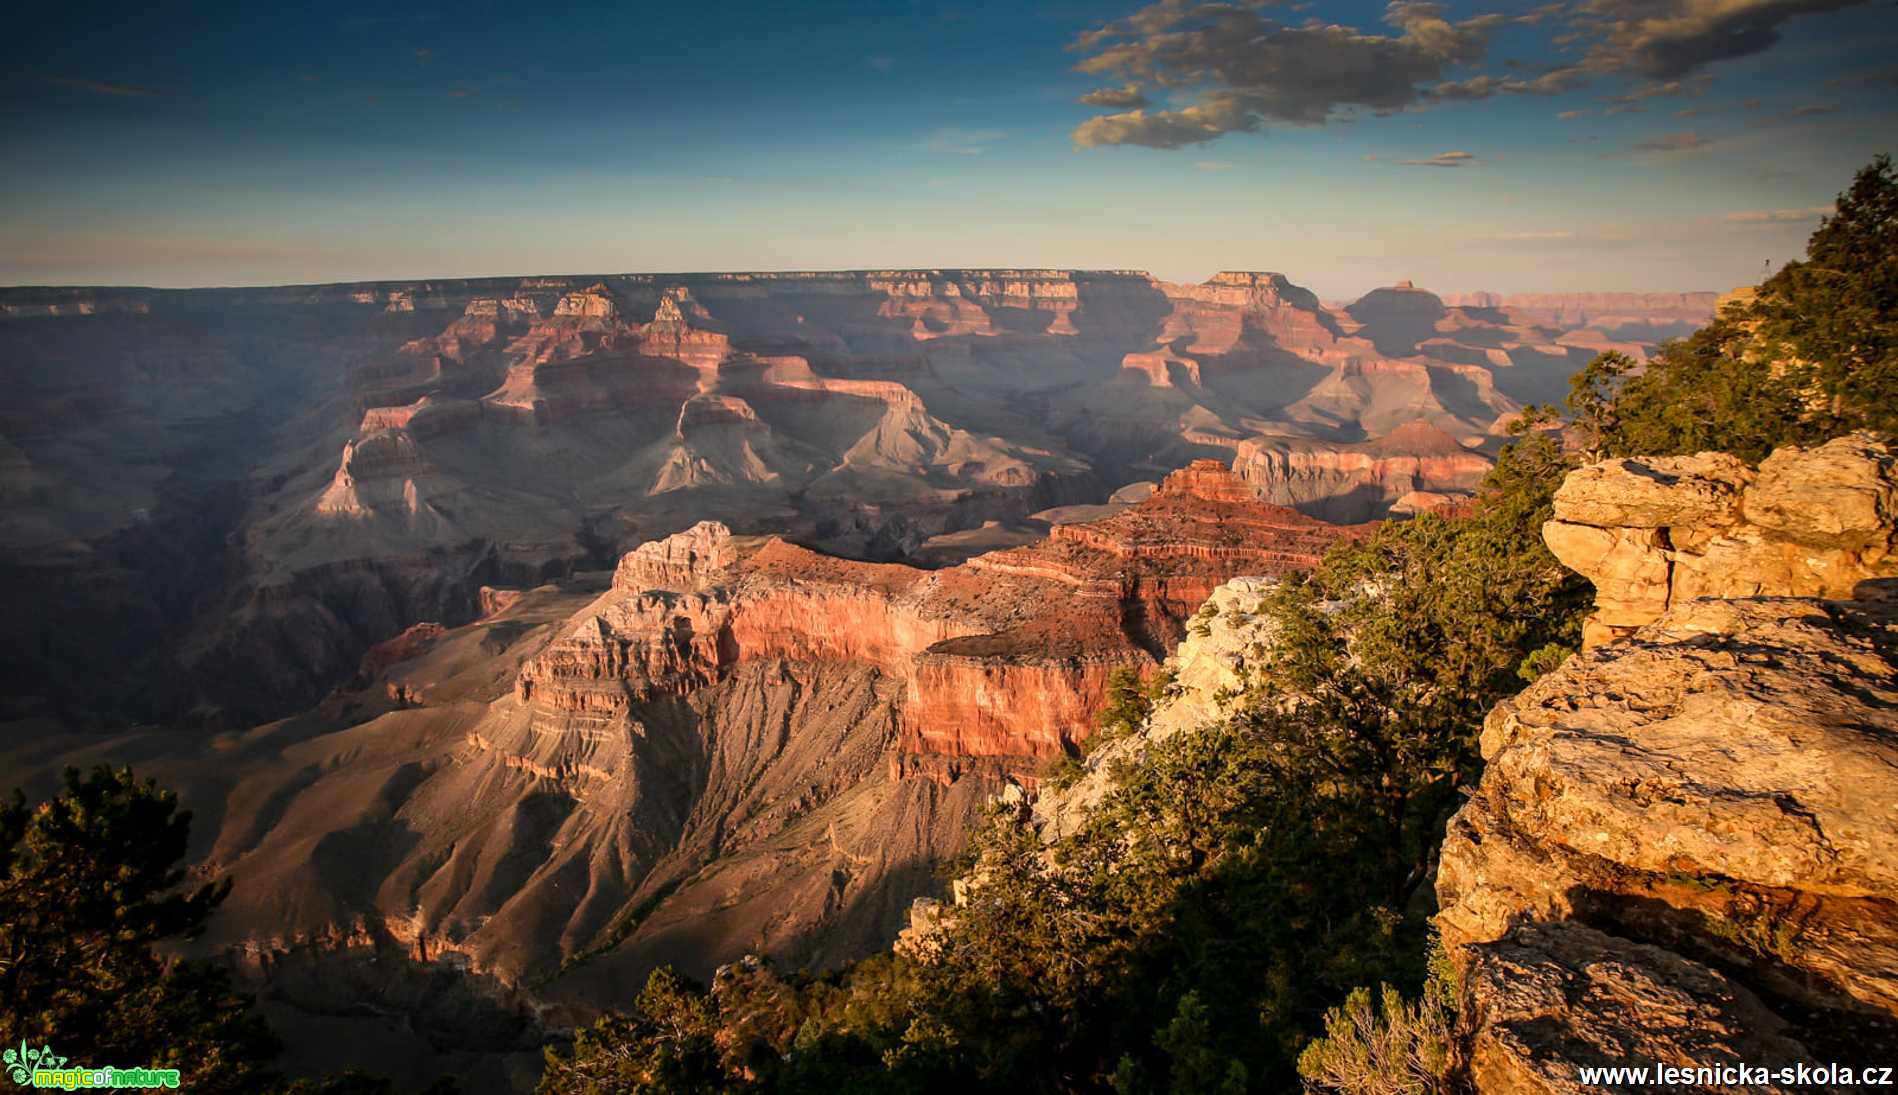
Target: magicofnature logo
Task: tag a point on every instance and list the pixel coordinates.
(29, 1067)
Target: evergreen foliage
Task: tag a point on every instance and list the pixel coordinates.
(91, 888)
(1812, 356)
(1391, 1047)
(89, 883)
(1232, 885)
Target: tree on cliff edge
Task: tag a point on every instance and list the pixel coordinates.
(1814, 355)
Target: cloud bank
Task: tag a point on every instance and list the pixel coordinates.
(1230, 66)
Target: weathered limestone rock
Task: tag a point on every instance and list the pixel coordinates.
(1716, 791)
(596, 301)
(1208, 672)
(1684, 850)
(1551, 998)
(1660, 492)
(1629, 567)
(1724, 780)
(1843, 495)
(1654, 532)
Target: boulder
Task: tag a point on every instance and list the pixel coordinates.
(1654, 532)
(1731, 768)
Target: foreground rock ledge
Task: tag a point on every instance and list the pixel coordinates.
(1552, 998)
(1722, 785)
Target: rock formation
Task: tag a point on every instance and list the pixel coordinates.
(1552, 997)
(1654, 532)
(1681, 851)
(1414, 468)
(549, 423)
(1205, 674)
(1003, 657)
(740, 745)
(1649, 317)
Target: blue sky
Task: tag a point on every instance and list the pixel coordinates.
(1587, 144)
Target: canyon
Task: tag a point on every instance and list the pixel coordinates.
(254, 486)
(730, 745)
(510, 637)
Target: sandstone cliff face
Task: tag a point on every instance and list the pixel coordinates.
(1003, 657)
(1656, 532)
(1681, 851)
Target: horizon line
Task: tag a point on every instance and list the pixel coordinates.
(1126, 272)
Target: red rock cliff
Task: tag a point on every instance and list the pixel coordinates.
(1004, 657)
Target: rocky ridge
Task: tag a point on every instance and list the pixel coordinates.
(734, 745)
(1415, 468)
(1003, 657)
(359, 442)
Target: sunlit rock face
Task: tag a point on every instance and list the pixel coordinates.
(1207, 680)
(1694, 814)
(1004, 657)
(1415, 468)
(1655, 532)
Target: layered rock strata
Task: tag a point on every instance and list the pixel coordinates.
(740, 745)
(1002, 657)
(520, 427)
(1415, 468)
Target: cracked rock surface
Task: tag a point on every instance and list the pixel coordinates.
(1553, 998)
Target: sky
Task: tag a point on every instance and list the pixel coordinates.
(1643, 145)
